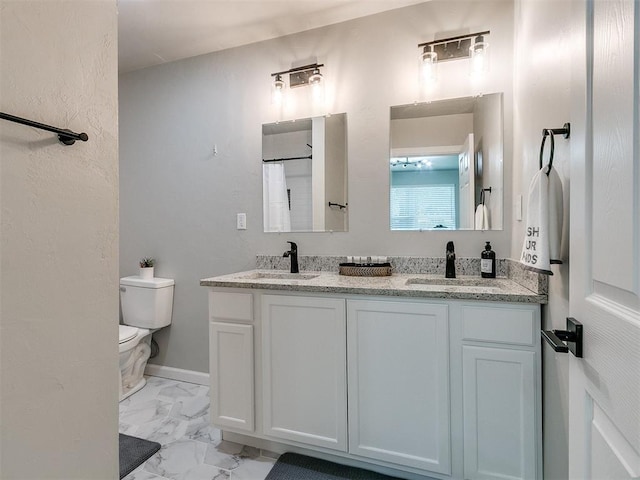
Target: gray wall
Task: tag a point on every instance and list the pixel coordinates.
(179, 201)
(59, 238)
(542, 95)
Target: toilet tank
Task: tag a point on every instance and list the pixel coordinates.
(146, 303)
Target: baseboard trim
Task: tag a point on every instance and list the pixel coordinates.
(189, 376)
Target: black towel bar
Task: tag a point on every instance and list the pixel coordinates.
(309, 157)
(65, 136)
(332, 204)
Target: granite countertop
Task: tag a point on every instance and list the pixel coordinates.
(500, 289)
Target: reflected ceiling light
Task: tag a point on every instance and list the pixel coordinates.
(471, 46)
(300, 77)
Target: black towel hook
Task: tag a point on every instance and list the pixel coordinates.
(482, 194)
(550, 132)
(546, 134)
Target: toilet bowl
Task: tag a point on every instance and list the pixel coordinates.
(147, 306)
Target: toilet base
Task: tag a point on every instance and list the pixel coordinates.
(139, 386)
(132, 365)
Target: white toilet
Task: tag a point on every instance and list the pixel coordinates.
(147, 305)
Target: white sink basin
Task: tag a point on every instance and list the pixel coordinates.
(466, 285)
(446, 281)
(279, 276)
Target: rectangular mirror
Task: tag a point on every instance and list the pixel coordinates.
(304, 175)
(446, 164)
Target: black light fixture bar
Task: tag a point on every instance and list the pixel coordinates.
(299, 69)
(65, 136)
(453, 39)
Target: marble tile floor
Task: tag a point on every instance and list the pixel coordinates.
(176, 415)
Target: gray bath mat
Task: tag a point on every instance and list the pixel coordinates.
(292, 466)
(134, 452)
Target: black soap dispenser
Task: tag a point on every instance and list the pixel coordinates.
(488, 262)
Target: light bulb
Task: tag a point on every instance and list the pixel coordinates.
(277, 91)
(479, 56)
(317, 86)
(429, 60)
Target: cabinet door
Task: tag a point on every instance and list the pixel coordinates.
(304, 370)
(231, 371)
(499, 413)
(398, 366)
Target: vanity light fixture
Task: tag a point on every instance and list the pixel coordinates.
(471, 46)
(299, 77)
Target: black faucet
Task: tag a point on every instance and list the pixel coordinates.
(450, 270)
(294, 257)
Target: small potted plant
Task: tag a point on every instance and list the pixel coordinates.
(146, 267)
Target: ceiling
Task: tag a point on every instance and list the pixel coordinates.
(151, 32)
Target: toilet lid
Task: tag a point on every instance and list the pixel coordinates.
(127, 333)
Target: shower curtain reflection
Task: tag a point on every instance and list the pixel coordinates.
(277, 216)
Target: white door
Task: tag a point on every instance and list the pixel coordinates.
(604, 399)
(304, 370)
(398, 364)
(466, 173)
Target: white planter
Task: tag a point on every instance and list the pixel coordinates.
(146, 272)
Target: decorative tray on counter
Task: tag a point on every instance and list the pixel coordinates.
(365, 269)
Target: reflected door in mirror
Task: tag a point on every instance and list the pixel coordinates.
(443, 154)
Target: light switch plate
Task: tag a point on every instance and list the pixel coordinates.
(241, 221)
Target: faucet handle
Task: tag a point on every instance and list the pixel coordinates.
(294, 246)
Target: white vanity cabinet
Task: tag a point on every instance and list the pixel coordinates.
(501, 391)
(231, 360)
(304, 392)
(445, 389)
(398, 364)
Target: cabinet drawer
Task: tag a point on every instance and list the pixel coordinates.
(231, 306)
(498, 324)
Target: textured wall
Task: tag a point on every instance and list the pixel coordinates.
(542, 99)
(179, 201)
(59, 242)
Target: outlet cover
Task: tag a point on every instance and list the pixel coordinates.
(241, 221)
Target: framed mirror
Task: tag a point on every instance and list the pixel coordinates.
(446, 164)
(304, 175)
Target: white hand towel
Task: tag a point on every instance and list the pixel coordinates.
(482, 217)
(543, 228)
(487, 222)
